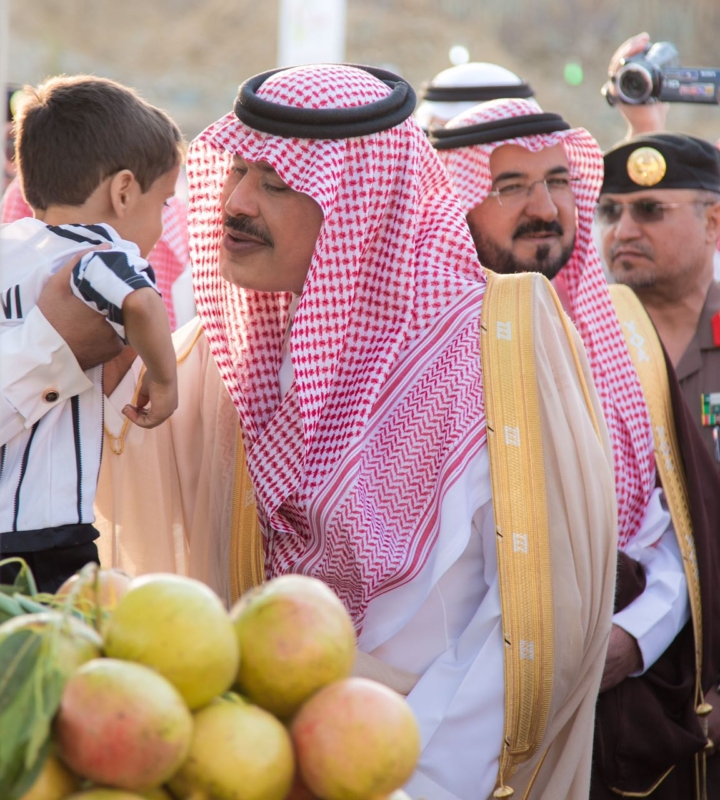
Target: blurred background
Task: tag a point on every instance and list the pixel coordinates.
(189, 56)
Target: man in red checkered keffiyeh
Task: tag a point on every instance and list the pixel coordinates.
(392, 257)
(339, 296)
(529, 184)
(539, 221)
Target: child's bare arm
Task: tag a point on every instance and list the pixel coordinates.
(148, 330)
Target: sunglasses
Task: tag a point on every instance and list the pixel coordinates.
(641, 211)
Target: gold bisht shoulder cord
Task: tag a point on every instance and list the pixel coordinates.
(519, 497)
(247, 556)
(647, 355)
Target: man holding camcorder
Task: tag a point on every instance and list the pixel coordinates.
(668, 261)
(652, 73)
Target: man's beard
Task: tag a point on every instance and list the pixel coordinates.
(628, 273)
(503, 261)
(633, 278)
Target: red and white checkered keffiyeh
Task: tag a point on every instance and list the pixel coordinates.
(592, 310)
(352, 503)
(13, 205)
(168, 258)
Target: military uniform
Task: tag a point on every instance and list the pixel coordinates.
(699, 368)
(650, 740)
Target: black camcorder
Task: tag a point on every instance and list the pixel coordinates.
(656, 76)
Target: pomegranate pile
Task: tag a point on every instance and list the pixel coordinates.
(147, 688)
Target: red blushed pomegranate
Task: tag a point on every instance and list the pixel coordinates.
(295, 637)
(121, 724)
(239, 752)
(355, 740)
(179, 627)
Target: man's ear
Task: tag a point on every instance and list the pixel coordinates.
(123, 188)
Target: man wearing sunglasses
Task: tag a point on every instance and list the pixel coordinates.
(659, 214)
(529, 185)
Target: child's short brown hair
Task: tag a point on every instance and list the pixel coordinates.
(73, 132)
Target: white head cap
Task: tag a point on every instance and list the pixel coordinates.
(487, 81)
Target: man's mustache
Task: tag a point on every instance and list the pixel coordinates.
(638, 248)
(244, 225)
(538, 226)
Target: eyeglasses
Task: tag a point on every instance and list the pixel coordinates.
(517, 192)
(641, 211)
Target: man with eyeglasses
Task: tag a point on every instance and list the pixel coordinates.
(659, 214)
(528, 184)
(520, 207)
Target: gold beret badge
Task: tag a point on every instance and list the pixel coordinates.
(646, 166)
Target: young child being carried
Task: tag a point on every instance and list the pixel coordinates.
(97, 163)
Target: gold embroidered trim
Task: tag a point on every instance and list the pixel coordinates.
(520, 505)
(648, 792)
(117, 443)
(531, 783)
(247, 555)
(646, 353)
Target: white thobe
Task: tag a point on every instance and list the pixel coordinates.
(445, 625)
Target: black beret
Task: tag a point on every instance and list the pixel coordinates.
(662, 161)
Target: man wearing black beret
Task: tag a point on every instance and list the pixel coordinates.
(659, 215)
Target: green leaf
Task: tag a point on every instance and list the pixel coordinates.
(28, 775)
(24, 581)
(9, 608)
(49, 686)
(18, 659)
(28, 606)
(31, 684)
(19, 664)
